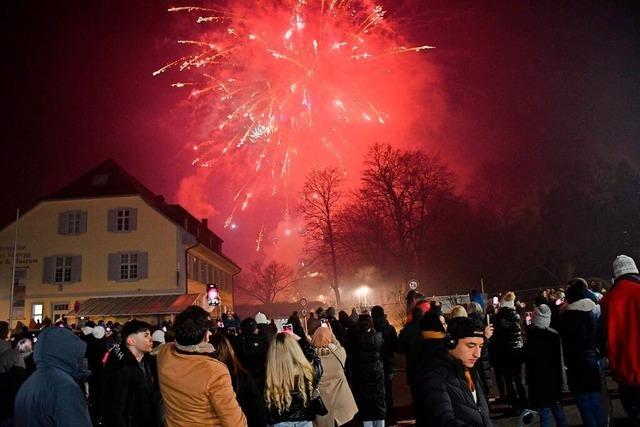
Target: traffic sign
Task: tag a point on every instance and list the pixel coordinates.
(304, 312)
(413, 284)
(303, 302)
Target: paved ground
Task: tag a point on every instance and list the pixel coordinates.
(402, 401)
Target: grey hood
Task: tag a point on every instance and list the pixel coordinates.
(59, 348)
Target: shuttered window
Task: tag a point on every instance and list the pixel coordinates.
(62, 269)
(122, 220)
(72, 222)
(128, 266)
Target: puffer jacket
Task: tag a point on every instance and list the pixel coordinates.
(578, 329)
(298, 410)
(390, 342)
(445, 398)
(368, 375)
(507, 342)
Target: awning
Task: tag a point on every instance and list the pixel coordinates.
(135, 306)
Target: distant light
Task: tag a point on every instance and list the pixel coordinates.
(234, 226)
(287, 232)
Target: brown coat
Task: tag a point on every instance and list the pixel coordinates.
(197, 390)
(334, 388)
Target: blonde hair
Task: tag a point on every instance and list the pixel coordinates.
(322, 337)
(287, 369)
(459, 311)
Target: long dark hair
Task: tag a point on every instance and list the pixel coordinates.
(226, 354)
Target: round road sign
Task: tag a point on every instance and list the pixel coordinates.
(413, 284)
(304, 312)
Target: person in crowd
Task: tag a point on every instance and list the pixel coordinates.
(409, 346)
(483, 367)
(368, 373)
(557, 304)
(449, 389)
(354, 316)
(196, 388)
(390, 342)
(578, 329)
(130, 384)
(507, 348)
(621, 330)
(313, 323)
(158, 337)
(247, 393)
(25, 350)
(333, 386)
(51, 396)
(541, 298)
(251, 349)
(33, 325)
(477, 297)
(290, 382)
(336, 326)
(12, 374)
(21, 331)
(544, 367)
(458, 311)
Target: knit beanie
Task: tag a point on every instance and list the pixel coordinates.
(431, 322)
(508, 300)
(541, 316)
(624, 265)
(158, 336)
(86, 330)
(261, 318)
(98, 332)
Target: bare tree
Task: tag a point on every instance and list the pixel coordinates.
(321, 198)
(404, 190)
(265, 282)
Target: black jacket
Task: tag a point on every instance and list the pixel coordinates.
(544, 366)
(409, 346)
(250, 399)
(578, 328)
(251, 351)
(298, 411)
(445, 398)
(390, 342)
(507, 342)
(368, 375)
(130, 391)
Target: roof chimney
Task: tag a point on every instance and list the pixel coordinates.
(205, 222)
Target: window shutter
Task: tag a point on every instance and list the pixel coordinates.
(133, 219)
(83, 221)
(76, 268)
(48, 264)
(62, 223)
(111, 221)
(143, 265)
(113, 267)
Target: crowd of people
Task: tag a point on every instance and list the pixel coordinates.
(336, 368)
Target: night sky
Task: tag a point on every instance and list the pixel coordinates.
(516, 89)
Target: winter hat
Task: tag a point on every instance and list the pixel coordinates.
(541, 316)
(331, 312)
(86, 330)
(158, 336)
(508, 300)
(466, 327)
(431, 322)
(377, 311)
(98, 332)
(624, 265)
(578, 289)
(261, 319)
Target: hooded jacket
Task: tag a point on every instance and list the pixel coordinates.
(578, 328)
(130, 396)
(51, 396)
(621, 325)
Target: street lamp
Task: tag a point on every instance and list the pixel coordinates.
(362, 293)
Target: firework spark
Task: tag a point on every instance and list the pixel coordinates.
(278, 78)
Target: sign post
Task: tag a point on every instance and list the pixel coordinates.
(304, 312)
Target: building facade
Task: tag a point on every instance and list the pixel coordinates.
(106, 236)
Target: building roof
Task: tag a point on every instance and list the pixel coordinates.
(109, 179)
(135, 306)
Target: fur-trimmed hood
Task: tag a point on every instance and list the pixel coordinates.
(584, 304)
